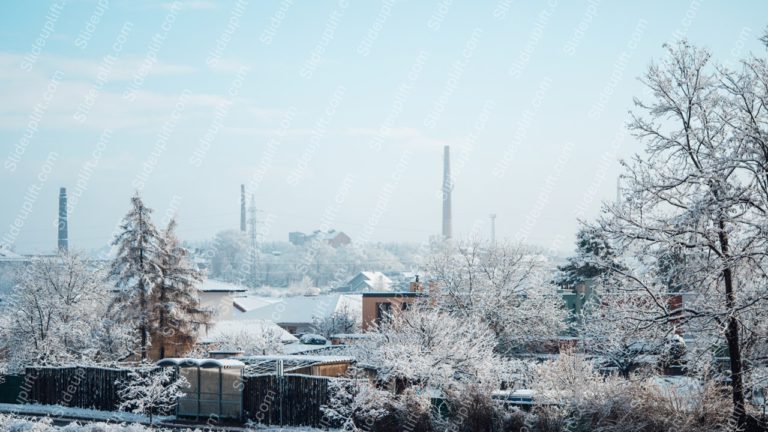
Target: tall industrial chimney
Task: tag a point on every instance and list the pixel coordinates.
(493, 228)
(63, 236)
(242, 207)
(447, 187)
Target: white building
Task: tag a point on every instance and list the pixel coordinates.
(219, 297)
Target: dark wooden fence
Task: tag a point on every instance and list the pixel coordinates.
(10, 388)
(79, 387)
(291, 400)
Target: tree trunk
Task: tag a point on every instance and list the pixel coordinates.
(732, 335)
(143, 321)
(162, 324)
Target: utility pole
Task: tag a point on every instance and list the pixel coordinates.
(493, 228)
(242, 207)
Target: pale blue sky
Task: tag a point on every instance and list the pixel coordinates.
(529, 103)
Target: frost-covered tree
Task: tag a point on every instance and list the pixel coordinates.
(150, 390)
(342, 321)
(427, 347)
(616, 341)
(229, 259)
(55, 314)
(136, 270)
(697, 191)
(594, 257)
(507, 287)
(176, 314)
(422, 350)
(358, 405)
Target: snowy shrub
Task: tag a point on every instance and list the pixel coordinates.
(673, 351)
(571, 395)
(357, 405)
(470, 409)
(151, 391)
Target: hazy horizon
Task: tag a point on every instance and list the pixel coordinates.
(334, 114)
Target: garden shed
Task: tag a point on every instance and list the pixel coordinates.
(216, 387)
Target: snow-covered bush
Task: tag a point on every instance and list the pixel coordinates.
(571, 395)
(673, 351)
(357, 405)
(151, 391)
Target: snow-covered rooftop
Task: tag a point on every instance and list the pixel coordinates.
(8, 255)
(249, 303)
(203, 363)
(304, 309)
(213, 285)
(233, 327)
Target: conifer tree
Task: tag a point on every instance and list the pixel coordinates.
(135, 270)
(176, 315)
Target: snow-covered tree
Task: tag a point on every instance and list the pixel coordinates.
(230, 256)
(135, 270)
(150, 390)
(507, 287)
(358, 405)
(427, 347)
(176, 314)
(697, 191)
(342, 321)
(609, 330)
(594, 258)
(55, 314)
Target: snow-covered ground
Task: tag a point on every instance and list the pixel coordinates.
(53, 418)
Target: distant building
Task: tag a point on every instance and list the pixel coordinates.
(381, 306)
(332, 237)
(248, 303)
(368, 281)
(219, 296)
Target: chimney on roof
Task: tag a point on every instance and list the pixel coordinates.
(416, 286)
(63, 232)
(447, 187)
(242, 207)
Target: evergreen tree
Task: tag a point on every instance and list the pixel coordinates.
(176, 311)
(594, 258)
(135, 269)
